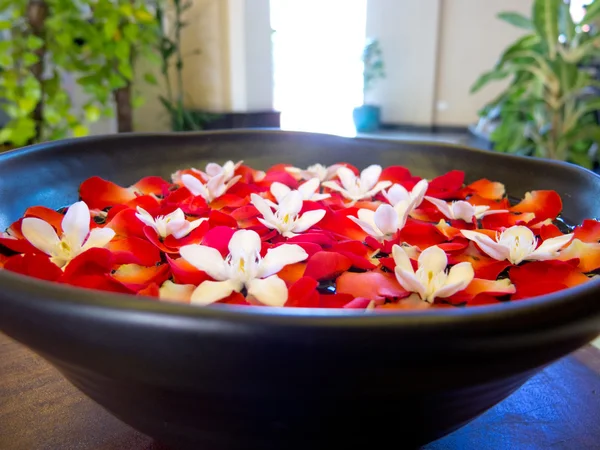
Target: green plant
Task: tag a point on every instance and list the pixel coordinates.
(374, 68)
(115, 35)
(172, 60)
(548, 108)
(98, 41)
(30, 71)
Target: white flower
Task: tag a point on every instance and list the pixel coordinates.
(214, 188)
(227, 170)
(431, 280)
(398, 193)
(174, 223)
(361, 187)
(323, 173)
(308, 190)
(385, 221)
(518, 244)
(76, 237)
(462, 210)
(172, 292)
(242, 268)
(286, 218)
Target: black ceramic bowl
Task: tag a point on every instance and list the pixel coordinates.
(238, 378)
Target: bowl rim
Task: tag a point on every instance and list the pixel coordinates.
(40, 293)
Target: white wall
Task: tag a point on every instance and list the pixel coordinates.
(471, 41)
(408, 37)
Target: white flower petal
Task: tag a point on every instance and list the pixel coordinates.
(370, 176)
(76, 224)
(418, 193)
(409, 281)
(442, 206)
(403, 209)
(213, 169)
(98, 238)
(279, 190)
(319, 197)
(489, 246)
(366, 227)
(386, 219)
(308, 219)
(333, 186)
(433, 259)
(212, 291)
(459, 277)
(206, 259)
(172, 292)
(309, 188)
(377, 189)
(402, 259)
(244, 243)
(145, 217)
(462, 210)
(347, 177)
(270, 291)
(396, 194)
(40, 234)
(186, 228)
(195, 186)
(263, 207)
(291, 204)
(279, 257)
(549, 248)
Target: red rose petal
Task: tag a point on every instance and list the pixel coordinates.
(544, 277)
(447, 186)
(303, 294)
(137, 277)
(98, 193)
(220, 219)
(95, 261)
(33, 265)
(491, 190)
(219, 238)
(134, 250)
(184, 273)
(544, 204)
(421, 234)
(334, 300)
(152, 185)
(323, 265)
(588, 231)
(125, 223)
(371, 285)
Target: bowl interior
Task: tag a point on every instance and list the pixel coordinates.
(50, 174)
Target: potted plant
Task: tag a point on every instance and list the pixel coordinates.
(368, 117)
(549, 108)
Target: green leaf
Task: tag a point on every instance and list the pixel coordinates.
(566, 24)
(110, 27)
(137, 101)
(126, 70)
(516, 19)
(92, 113)
(592, 13)
(123, 50)
(26, 105)
(34, 43)
(80, 131)
(524, 47)
(29, 59)
(5, 25)
(545, 19)
(6, 60)
(150, 79)
(487, 77)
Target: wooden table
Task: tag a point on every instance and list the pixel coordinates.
(557, 409)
